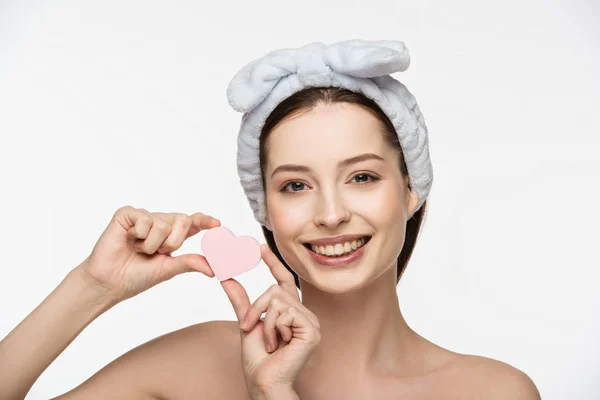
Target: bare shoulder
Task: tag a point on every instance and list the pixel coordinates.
(487, 378)
(199, 361)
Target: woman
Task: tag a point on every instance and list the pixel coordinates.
(341, 205)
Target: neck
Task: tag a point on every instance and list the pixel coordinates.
(362, 332)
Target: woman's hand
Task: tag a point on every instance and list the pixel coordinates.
(134, 252)
(274, 349)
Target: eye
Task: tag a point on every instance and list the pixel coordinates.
(364, 174)
(299, 185)
(292, 184)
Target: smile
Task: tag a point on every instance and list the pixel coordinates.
(339, 249)
(342, 254)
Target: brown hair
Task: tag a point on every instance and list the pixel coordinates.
(308, 98)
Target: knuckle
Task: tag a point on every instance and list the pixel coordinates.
(146, 222)
(317, 338)
(176, 241)
(199, 217)
(276, 303)
(162, 225)
(183, 216)
(144, 217)
(274, 288)
(184, 220)
(317, 323)
(124, 209)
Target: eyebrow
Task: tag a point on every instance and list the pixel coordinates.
(340, 165)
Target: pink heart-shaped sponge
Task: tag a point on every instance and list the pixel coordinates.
(229, 255)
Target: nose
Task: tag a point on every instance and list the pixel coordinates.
(331, 210)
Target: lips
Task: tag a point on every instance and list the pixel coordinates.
(367, 239)
(344, 261)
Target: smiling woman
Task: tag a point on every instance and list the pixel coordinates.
(301, 103)
(333, 157)
(342, 218)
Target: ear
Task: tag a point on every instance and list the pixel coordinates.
(413, 200)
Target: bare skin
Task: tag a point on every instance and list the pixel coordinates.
(173, 365)
(366, 348)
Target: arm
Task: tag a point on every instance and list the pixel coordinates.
(38, 340)
(132, 255)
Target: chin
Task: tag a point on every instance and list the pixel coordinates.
(350, 274)
(339, 285)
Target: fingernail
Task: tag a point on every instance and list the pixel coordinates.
(245, 322)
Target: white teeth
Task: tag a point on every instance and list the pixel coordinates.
(339, 248)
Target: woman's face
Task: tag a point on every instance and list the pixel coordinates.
(319, 199)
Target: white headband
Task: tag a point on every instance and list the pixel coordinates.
(357, 65)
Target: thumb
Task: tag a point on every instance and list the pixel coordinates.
(237, 296)
(186, 263)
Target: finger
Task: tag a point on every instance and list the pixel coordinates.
(201, 222)
(284, 278)
(137, 222)
(237, 296)
(293, 324)
(275, 309)
(261, 305)
(196, 222)
(159, 231)
(269, 328)
(284, 324)
(186, 263)
(180, 226)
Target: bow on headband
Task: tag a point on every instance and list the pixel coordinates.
(356, 58)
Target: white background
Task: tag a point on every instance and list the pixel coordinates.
(104, 104)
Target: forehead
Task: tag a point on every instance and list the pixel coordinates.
(325, 135)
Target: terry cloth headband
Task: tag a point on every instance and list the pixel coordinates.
(357, 65)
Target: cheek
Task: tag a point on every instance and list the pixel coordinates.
(288, 215)
(381, 207)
